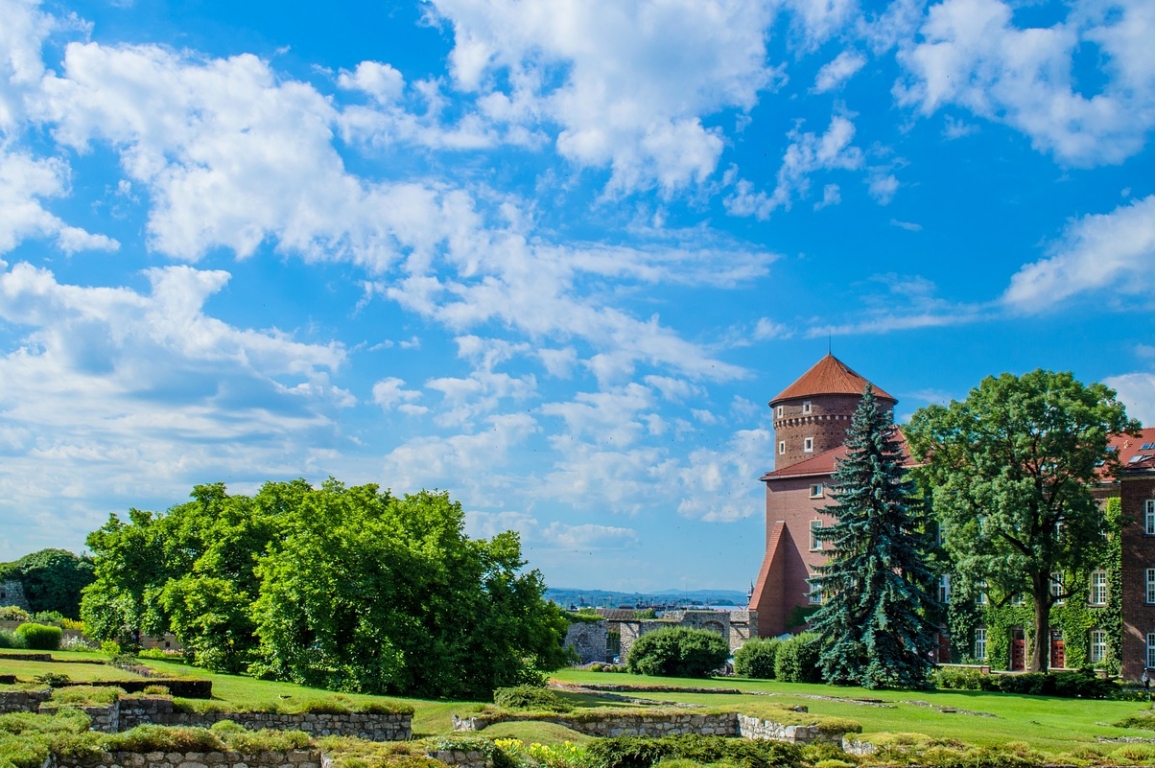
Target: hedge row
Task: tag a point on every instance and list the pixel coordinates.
(1069, 685)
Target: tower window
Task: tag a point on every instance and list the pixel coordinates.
(806, 406)
(781, 411)
(808, 444)
(781, 446)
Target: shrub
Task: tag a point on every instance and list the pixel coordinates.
(530, 697)
(40, 637)
(756, 658)
(13, 613)
(1082, 684)
(110, 648)
(797, 659)
(638, 752)
(53, 678)
(251, 742)
(678, 652)
(9, 639)
(78, 644)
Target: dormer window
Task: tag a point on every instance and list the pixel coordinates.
(806, 406)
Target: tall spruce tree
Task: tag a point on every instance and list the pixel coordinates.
(877, 615)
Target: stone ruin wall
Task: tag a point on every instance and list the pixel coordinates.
(128, 713)
(586, 638)
(12, 593)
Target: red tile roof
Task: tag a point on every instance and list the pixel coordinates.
(823, 463)
(1135, 452)
(829, 376)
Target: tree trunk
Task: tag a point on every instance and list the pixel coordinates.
(1041, 643)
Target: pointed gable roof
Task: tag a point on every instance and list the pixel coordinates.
(829, 376)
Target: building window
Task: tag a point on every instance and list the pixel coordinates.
(981, 593)
(781, 446)
(808, 444)
(1150, 586)
(815, 542)
(1150, 650)
(1018, 599)
(781, 411)
(981, 643)
(815, 595)
(1099, 646)
(1149, 517)
(816, 491)
(1057, 592)
(1098, 588)
(806, 406)
(944, 588)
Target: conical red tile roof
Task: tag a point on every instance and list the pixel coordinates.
(829, 376)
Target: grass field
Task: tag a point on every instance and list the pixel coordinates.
(1050, 724)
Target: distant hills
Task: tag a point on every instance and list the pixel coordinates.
(671, 598)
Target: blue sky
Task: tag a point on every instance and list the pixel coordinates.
(551, 256)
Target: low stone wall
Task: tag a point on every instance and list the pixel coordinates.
(768, 730)
(105, 718)
(656, 726)
(370, 726)
(129, 713)
(299, 758)
(22, 701)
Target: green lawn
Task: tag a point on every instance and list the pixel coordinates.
(1050, 724)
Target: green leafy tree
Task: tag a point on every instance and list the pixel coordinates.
(877, 615)
(1011, 469)
(678, 652)
(53, 580)
(387, 595)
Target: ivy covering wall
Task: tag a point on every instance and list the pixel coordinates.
(1075, 617)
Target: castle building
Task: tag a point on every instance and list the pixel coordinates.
(811, 417)
(1117, 597)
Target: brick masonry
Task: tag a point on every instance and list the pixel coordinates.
(1135, 488)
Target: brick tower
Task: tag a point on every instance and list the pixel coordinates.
(811, 417)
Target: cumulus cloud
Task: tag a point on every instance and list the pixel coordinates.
(973, 55)
(717, 484)
(232, 156)
(1137, 391)
(24, 184)
(837, 72)
(132, 396)
(1113, 251)
(625, 85)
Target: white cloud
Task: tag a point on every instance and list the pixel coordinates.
(1137, 391)
(132, 397)
(467, 462)
(607, 418)
(819, 20)
(973, 56)
(720, 485)
(381, 82)
(625, 84)
(882, 187)
(767, 329)
(21, 35)
(1113, 251)
(909, 226)
(589, 536)
(831, 195)
(232, 156)
(837, 72)
(24, 183)
(390, 393)
(806, 154)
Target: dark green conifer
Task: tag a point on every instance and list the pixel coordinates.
(877, 613)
